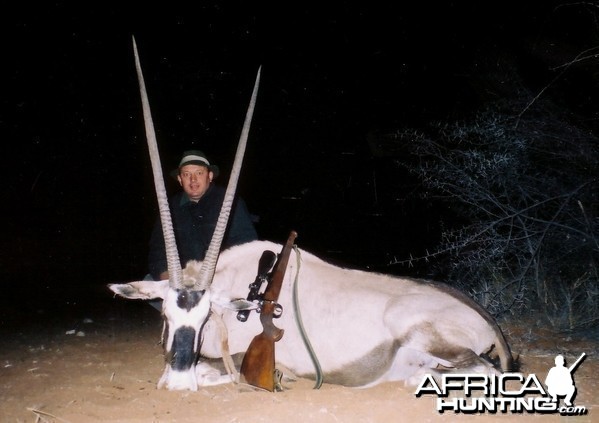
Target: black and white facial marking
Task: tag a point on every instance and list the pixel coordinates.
(182, 354)
(185, 311)
(188, 299)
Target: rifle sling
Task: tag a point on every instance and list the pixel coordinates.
(300, 324)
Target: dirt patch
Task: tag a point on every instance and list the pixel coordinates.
(104, 368)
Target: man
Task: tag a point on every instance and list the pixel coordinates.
(194, 212)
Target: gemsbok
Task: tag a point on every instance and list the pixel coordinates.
(343, 326)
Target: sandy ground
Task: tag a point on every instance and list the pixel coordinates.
(103, 367)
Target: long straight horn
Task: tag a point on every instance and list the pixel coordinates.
(172, 254)
(209, 264)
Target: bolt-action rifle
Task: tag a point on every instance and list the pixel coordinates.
(258, 365)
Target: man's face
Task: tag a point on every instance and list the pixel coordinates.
(195, 180)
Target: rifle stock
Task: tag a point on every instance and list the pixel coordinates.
(258, 365)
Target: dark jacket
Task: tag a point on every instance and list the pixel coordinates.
(194, 224)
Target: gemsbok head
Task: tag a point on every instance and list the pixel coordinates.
(186, 294)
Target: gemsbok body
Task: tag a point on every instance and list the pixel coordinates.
(356, 328)
(365, 328)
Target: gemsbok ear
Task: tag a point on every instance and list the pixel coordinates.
(141, 290)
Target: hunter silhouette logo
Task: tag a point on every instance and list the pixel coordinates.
(507, 392)
(559, 380)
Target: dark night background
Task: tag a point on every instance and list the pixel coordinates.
(77, 196)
